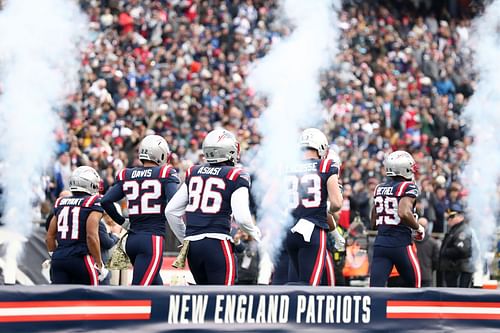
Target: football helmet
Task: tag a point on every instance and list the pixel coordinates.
(84, 179)
(221, 146)
(154, 148)
(315, 139)
(399, 163)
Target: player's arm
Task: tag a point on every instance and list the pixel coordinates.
(334, 194)
(405, 212)
(171, 186)
(176, 208)
(331, 222)
(373, 218)
(93, 237)
(240, 205)
(114, 194)
(332, 229)
(50, 238)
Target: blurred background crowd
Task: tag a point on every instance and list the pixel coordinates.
(178, 69)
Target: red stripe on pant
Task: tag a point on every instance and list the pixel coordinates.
(230, 264)
(89, 263)
(416, 265)
(320, 260)
(330, 272)
(154, 264)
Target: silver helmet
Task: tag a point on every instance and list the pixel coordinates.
(399, 163)
(221, 146)
(154, 148)
(84, 179)
(315, 139)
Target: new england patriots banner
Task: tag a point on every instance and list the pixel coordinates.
(245, 308)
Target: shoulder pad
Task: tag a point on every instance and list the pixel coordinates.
(121, 174)
(165, 171)
(246, 177)
(325, 165)
(91, 200)
(234, 173)
(56, 204)
(406, 188)
(189, 171)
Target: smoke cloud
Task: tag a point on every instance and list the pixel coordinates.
(481, 174)
(289, 78)
(39, 62)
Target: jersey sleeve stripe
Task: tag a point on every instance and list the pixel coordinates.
(321, 166)
(328, 165)
(325, 165)
(234, 173)
(90, 201)
(402, 187)
(188, 171)
(57, 202)
(230, 173)
(121, 174)
(165, 171)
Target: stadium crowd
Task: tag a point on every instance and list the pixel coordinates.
(177, 69)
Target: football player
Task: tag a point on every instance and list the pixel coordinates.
(392, 214)
(73, 235)
(210, 194)
(147, 189)
(312, 184)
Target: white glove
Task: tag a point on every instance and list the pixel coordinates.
(46, 264)
(103, 273)
(420, 233)
(257, 235)
(339, 240)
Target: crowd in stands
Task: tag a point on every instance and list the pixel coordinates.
(177, 68)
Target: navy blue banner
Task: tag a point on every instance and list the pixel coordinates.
(246, 308)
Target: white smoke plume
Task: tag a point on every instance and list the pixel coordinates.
(289, 78)
(482, 173)
(39, 63)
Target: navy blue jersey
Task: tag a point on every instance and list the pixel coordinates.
(308, 191)
(71, 215)
(148, 190)
(209, 197)
(391, 231)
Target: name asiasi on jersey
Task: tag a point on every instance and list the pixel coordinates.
(209, 171)
(269, 309)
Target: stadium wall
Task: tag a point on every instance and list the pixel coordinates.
(245, 308)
